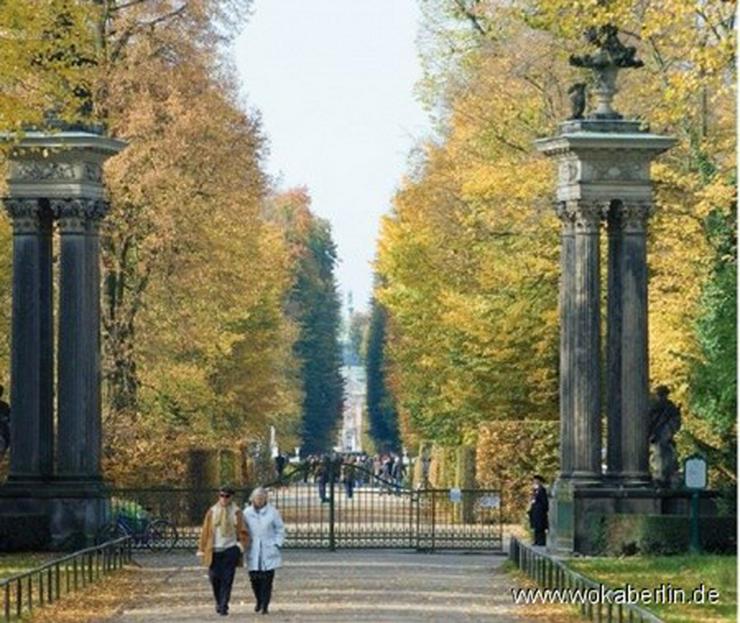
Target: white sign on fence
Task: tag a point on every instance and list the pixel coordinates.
(455, 496)
(490, 501)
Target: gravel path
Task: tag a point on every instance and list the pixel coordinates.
(371, 586)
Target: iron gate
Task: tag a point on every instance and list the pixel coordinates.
(375, 513)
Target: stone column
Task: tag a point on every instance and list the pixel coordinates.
(614, 344)
(586, 361)
(567, 296)
(32, 416)
(634, 390)
(78, 404)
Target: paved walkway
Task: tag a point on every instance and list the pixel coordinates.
(371, 586)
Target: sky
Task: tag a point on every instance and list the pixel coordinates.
(334, 83)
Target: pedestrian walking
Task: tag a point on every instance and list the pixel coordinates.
(267, 534)
(538, 509)
(322, 477)
(222, 541)
(348, 477)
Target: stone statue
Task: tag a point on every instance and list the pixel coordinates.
(611, 56)
(612, 52)
(577, 94)
(665, 421)
(4, 425)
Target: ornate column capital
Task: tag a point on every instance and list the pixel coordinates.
(566, 213)
(78, 215)
(635, 215)
(25, 214)
(630, 216)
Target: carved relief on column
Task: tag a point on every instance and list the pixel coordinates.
(634, 215)
(75, 215)
(24, 214)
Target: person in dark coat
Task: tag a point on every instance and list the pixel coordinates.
(538, 508)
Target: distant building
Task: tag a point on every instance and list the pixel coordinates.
(354, 408)
(355, 389)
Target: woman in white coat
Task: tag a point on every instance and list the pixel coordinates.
(267, 533)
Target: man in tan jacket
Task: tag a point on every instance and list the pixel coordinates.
(222, 541)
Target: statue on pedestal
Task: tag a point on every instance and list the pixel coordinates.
(665, 421)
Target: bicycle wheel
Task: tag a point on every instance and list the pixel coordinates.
(161, 536)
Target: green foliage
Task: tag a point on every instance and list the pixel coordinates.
(315, 308)
(659, 535)
(381, 410)
(714, 372)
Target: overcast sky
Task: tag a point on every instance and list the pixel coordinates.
(334, 80)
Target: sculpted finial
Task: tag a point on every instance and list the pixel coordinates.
(611, 56)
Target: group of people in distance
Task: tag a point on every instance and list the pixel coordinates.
(355, 470)
(231, 537)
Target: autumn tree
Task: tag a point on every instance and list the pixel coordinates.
(196, 339)
(468, 255)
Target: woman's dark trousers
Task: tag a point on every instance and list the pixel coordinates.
(262, 587)
(221, 574)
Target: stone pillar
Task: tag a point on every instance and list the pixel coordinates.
(79, 372)
(567, 296)
(586, 358)
(614, 344)
(634, 391)
(32, 418)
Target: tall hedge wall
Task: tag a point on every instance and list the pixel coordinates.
(509, 452)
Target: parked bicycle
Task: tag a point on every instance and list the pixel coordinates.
(159, 535)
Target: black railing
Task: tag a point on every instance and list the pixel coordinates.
(371, 512)
(553, 574)
(45, 584)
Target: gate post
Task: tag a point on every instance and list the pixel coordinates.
(332, 477)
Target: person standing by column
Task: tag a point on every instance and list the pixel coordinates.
(538, 509)
(223, 539)
(267, 534)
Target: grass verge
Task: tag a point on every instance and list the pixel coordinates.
(687, 572)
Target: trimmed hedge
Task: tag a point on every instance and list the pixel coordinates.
(509, 453)
(626, 535)
(24, 532)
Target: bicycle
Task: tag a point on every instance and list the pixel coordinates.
(159, 535)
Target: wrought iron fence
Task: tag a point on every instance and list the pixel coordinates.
(47, 583)
(553, 574)
(352, 508)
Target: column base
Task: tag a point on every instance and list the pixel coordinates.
(586, 479)
(634, 479)
(575, 509)
(69, 512)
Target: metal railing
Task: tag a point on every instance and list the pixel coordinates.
(45, 584)
(550, 573)
(372, 513)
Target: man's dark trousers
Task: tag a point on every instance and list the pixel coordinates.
(221, 573)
